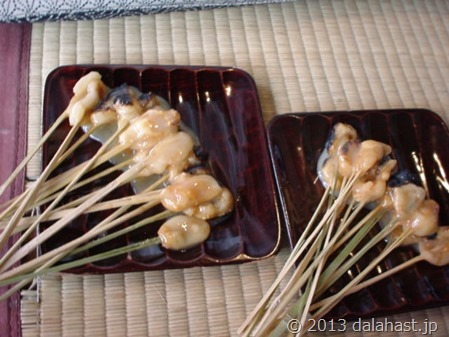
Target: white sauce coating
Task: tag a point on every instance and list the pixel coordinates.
(182, 232)
(172, 154)
(405, 205)
(372, 186)
(365, 159)
(88, 92)
(408, 206)
(189, 191)
(155, 136)
(149, 128)
(342, 134)
(218, 206)
(436, 251)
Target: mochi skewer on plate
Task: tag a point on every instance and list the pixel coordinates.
(359, 175)
(148, 147)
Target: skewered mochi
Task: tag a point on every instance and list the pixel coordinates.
(436, 250)
(127, 102)
(373, 185)
(406, 204)
(341, 134)
(147, 129)
(189, 190)
(156, 137)
(88, 92)
(355, 158)
(182, 232)
(218, 206)
(345, 156)
(173, 154)
(414, 211)
(424, 221)
(406, 199)
(198, 195)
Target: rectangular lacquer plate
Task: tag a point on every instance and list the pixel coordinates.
(420, 142)
(221, 106)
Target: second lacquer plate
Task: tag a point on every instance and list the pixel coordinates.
(419, 139)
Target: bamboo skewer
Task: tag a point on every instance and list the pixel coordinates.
(365, 225)
(25, 279)
(318, 270)
(55, 184)
(295, 284)
(60, 196)
(29, 197)
(82, 183)
(103, 226)
(333, 300)
(75, 145)
(100, 206)
(385, 274)
(356, 286)
(298, 250)
(106, 224)
(58, 212)
(156, 184)
(333, 265)
(372, 217)
(12, 204)
(98, 257)
(326, 283)
(305, 239)
(54, 228)
(25, 161)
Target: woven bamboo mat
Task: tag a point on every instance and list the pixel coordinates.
(304, 56)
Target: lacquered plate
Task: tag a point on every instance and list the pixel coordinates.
(420, 142)
(221, 106)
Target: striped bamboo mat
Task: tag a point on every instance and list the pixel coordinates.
(304, 56)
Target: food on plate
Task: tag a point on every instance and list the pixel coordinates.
(182, 232)
(435, 250)
(147, 146)
(87, 92)
(367, 203)
(188, 191)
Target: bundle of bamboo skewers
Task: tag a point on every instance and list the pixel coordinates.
(360, 178)
(148, 147)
